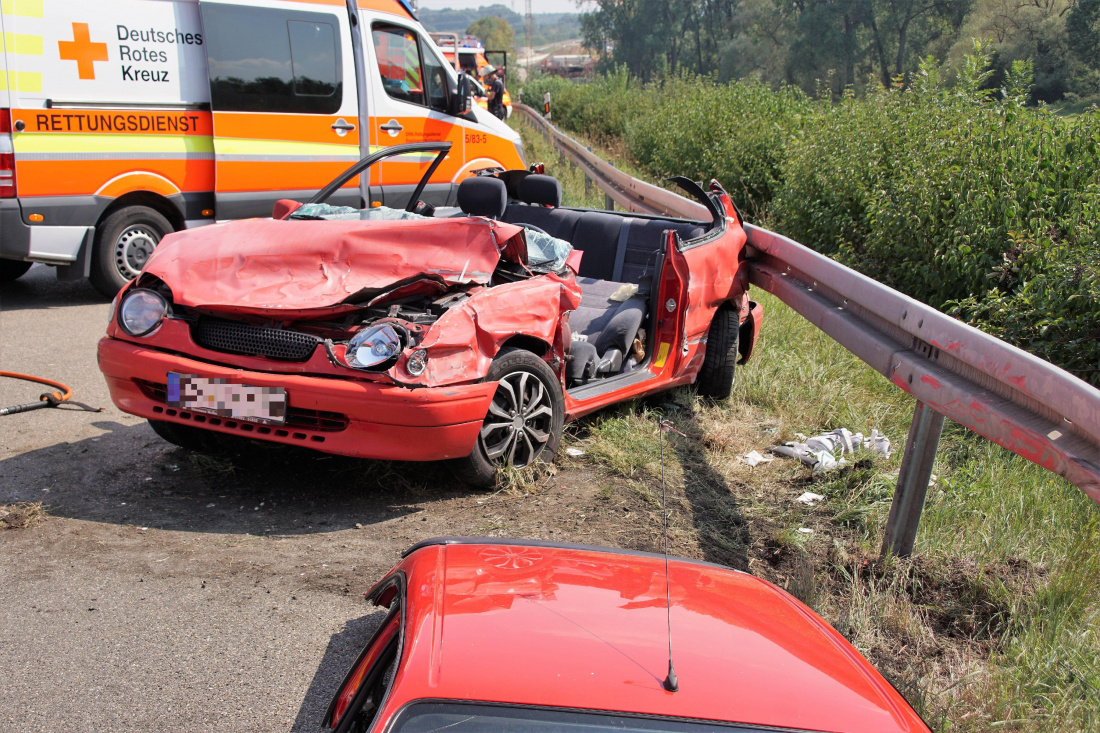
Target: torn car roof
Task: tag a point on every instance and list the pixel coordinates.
(295, 265)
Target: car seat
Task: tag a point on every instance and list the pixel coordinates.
(483, 196)
(603, 327)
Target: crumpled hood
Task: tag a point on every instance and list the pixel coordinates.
(298, 265)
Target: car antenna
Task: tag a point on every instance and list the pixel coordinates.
(672, 684)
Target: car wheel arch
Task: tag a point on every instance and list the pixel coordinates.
(534, 344)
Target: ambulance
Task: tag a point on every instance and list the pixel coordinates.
(124, 120)
(469, 56)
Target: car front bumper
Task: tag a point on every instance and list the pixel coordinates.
(346, 417)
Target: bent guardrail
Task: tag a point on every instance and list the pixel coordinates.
(1015, 399)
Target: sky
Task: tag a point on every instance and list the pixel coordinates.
(537, 6)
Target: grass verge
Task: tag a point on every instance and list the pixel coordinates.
(992, 625)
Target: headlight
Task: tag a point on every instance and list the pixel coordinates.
(417, 362)
(141, 312)
(375, 348)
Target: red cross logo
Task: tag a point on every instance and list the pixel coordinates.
(82, 51)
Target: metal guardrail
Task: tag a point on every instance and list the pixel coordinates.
(1015, 399)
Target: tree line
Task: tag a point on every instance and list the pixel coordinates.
(821, 45)
(548, 27)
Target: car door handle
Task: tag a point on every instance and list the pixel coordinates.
(391, 126)
(341, 126)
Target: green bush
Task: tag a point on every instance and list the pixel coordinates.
(1053, 314)
(736, 133)
(599, 109)
(980, 206)
(932, 194)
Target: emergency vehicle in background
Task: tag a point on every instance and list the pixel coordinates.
(472, 58)
(124, 120)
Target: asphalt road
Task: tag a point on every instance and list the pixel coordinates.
(169, 590)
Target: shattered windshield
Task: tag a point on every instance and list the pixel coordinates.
(350, 213)
(545, 252)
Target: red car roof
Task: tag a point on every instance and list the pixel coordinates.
(584, 628)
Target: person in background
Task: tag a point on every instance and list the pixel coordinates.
(495, 88)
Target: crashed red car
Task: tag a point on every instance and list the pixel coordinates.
(513, 636)
(428, 335)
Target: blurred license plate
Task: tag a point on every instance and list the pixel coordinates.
(228, 399)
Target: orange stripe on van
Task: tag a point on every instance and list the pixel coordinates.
(77, 177)
(385, 6)
(243, 176)
(299, 128)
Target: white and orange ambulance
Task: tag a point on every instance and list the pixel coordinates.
(124, 120)
(469, 56)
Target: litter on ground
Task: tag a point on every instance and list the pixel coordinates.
(575, 452)
(809, 498)
(754, 458)
(826, 452)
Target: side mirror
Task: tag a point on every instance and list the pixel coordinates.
(460, 102)
(284, 208)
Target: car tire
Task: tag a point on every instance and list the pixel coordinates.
(123, 243)
(13, 270)
(184, 436)
(720, 363)
(499, 443)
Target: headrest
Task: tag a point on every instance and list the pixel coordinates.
(539, 189)
(483, 196)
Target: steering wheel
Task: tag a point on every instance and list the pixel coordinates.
(540, 230)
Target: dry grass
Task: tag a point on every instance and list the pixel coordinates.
(22, 515)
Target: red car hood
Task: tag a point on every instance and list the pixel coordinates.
(265, 264)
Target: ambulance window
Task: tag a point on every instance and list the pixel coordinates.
(435, 80)
(267, 60)
(410, 71)
(313, 56)
(468, 61)
(399, 63)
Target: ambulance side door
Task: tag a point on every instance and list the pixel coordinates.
(284, 103)
(411, 91)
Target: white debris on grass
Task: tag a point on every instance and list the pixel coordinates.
(805, 530)
(575, 452)
(754, 459)
(826, 452)
(809, 498)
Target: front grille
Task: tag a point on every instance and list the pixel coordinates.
(232, 337)
(320, 420)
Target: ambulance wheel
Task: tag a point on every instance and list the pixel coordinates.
(524, 422)
(123, 243)
(13, 270)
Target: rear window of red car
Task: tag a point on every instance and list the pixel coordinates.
(461, 717)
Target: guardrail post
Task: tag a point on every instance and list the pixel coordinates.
(916, 471)
(587, 180)
(608, 202)
(546, 100)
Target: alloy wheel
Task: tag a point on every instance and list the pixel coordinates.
(519, 422)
